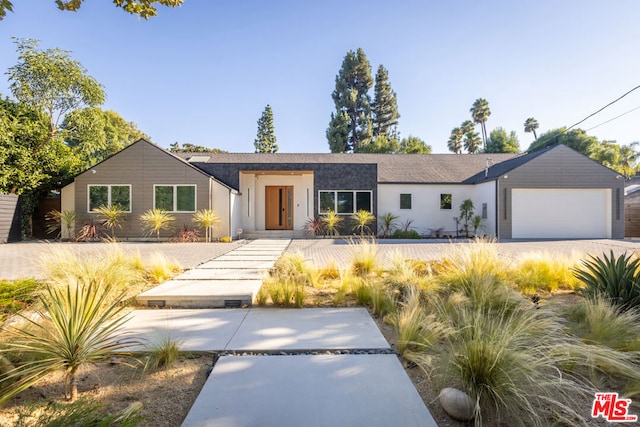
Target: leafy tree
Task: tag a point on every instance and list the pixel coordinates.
(142, 8)
(95, 134)
(381, 144)
(500, 142)
(530, 125)
(621, 158)
(576, 139)
(338, 132)
(480, 113)
(351, 97)
(472, 142)
(190, 148)
(265, 141)
(385, 105)
(52, 82)
(414, 145)
(455, 141)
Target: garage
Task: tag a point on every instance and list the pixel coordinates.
(561, 213)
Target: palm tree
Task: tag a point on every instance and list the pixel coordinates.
(530, 125)
(467, 126)
(207, 219)
(361, 220)
(480, 112)
(455, 141)
(78, 325)
(112, 217)
(472, 142)
(155, 220)
(388, 222)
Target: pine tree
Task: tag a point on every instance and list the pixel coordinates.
(385, 105)
(351, 96)
(265, 141)
(338, 133)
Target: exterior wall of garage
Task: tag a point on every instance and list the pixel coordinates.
(559, 168)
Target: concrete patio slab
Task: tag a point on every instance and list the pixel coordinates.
(196, 330)
(222, 274)
(322, 390)
(248, 257)
(237, 264)
(308, 329)
(201, 293)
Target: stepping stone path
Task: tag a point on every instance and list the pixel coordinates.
(283, 367)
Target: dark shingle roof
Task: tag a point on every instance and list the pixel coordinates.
(498, 169)
(392, 168)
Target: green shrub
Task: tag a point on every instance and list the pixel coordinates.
(405, 234)
(16, 295)
(617, 279)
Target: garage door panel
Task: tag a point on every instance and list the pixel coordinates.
(561, 213)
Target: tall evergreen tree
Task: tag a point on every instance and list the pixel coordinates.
(265, 141)
(385, 105)
(338, 132)
(351, 96)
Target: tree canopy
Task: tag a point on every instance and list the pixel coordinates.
(500, 142)
(576, 139)
(265, 141)
(143, 8)
(385, 106)
(191, 148)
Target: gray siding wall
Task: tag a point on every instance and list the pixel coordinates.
(560, 167)
(326, 176)
(9, 218)
(141, 165)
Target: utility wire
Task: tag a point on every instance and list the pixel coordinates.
(611, 103)
(616, 117)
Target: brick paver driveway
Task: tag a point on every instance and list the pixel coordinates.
(320, 251)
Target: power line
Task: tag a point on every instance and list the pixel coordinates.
(616, 117)
(611, 103)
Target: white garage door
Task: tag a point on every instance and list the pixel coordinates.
(561, 213)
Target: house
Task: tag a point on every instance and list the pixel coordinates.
(632, 207)
(552, 193)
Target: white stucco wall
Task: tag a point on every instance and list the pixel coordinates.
(486, 193)
(252, 186)
(68, 203)
(220, 204)
(236, 213)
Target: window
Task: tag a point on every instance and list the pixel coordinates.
(175, 198)
(445, 201)
(484, 211)
(344, 202)
(405, 201)
(109, 195)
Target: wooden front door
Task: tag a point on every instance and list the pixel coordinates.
(278, 207)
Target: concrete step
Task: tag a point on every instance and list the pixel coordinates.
(273, 234)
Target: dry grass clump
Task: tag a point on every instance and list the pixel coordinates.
(162, 353)
(364, 256)
(541, 271)
(159, 268)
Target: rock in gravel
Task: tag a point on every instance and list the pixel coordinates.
(456, 403)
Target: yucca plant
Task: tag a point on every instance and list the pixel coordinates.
(112, 217)
(155, 220)
(387, 222)
(361, 221)
(77, 325)
(332, 223)
(207, 219)
(56, 220)
(617, 279)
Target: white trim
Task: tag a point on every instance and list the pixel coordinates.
(175, 196)
(335, 200)
(109, 195)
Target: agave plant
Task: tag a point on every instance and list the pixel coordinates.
(617, 279)
(112, 217)
(361, 221)
(332, 222)
(78, 325)
(156, 220)
(207, 219)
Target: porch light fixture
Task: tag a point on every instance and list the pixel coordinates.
(506, 176)
(619, 177)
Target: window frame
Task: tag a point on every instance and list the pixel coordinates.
(175, 196)
(109, 186)
(450, 201)
(335, 200)
(410, 201)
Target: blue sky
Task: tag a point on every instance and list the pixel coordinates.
(204, 72)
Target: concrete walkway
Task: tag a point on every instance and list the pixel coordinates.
(288, 367)
(229, 280)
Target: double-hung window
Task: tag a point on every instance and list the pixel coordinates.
(109, 195)
(344, 202)
(175, 198)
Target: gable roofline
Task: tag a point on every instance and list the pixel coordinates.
(167, 152)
